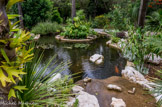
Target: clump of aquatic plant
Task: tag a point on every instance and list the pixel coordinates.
(45, 28)
(78, 45)
(45, 46)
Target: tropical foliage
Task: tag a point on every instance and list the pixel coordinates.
(21, 74)
(154, 43)
(43, 90)
(135, 49)
(56, 16)
(154, 21)
(80, 29)
(35, 11)
(119, 17)
(13, 56)
(101, 21)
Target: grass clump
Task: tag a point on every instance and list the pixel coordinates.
(45, 28)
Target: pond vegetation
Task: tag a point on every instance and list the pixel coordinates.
(44, 71)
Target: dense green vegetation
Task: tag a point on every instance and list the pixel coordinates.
(35, 11)
(45, 28)
(20, 73)
(80, 29)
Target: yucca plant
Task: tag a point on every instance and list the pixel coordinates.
(42, 89)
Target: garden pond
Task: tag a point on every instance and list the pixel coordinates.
(79, 54)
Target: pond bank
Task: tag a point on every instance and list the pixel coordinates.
(99, 89)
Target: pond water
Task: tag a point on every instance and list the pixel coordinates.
(79, 58)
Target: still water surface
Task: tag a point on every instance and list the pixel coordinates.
(79, 58)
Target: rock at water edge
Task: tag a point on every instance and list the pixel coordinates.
(87, 100)
(117, 102)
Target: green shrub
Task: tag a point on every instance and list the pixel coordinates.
(154, 20)
(124, 13)
(135, 49)
(45, 28)
(154, 43)
(35, 11)
(80, 29)
(115, 39)
(100, 21)
(56, 16)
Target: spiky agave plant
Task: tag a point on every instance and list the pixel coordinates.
(41, 91)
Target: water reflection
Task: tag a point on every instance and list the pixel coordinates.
(79, 58)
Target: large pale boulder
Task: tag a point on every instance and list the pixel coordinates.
(131, 64)
(104, 96)
(84, 99)
(136, 77)
(55, 77)
(87, 100)
(117, 102)
(77, 89)
(71, 102)
(36, 37)
(97, 59)
(130, 72)
(155, 59)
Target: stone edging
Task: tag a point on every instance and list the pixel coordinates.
(113, 45)
(135, 76)
(61, 38)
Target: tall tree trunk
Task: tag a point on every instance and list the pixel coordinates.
(73, 10)
(142, 13)
(21, 15)
(4, 25)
